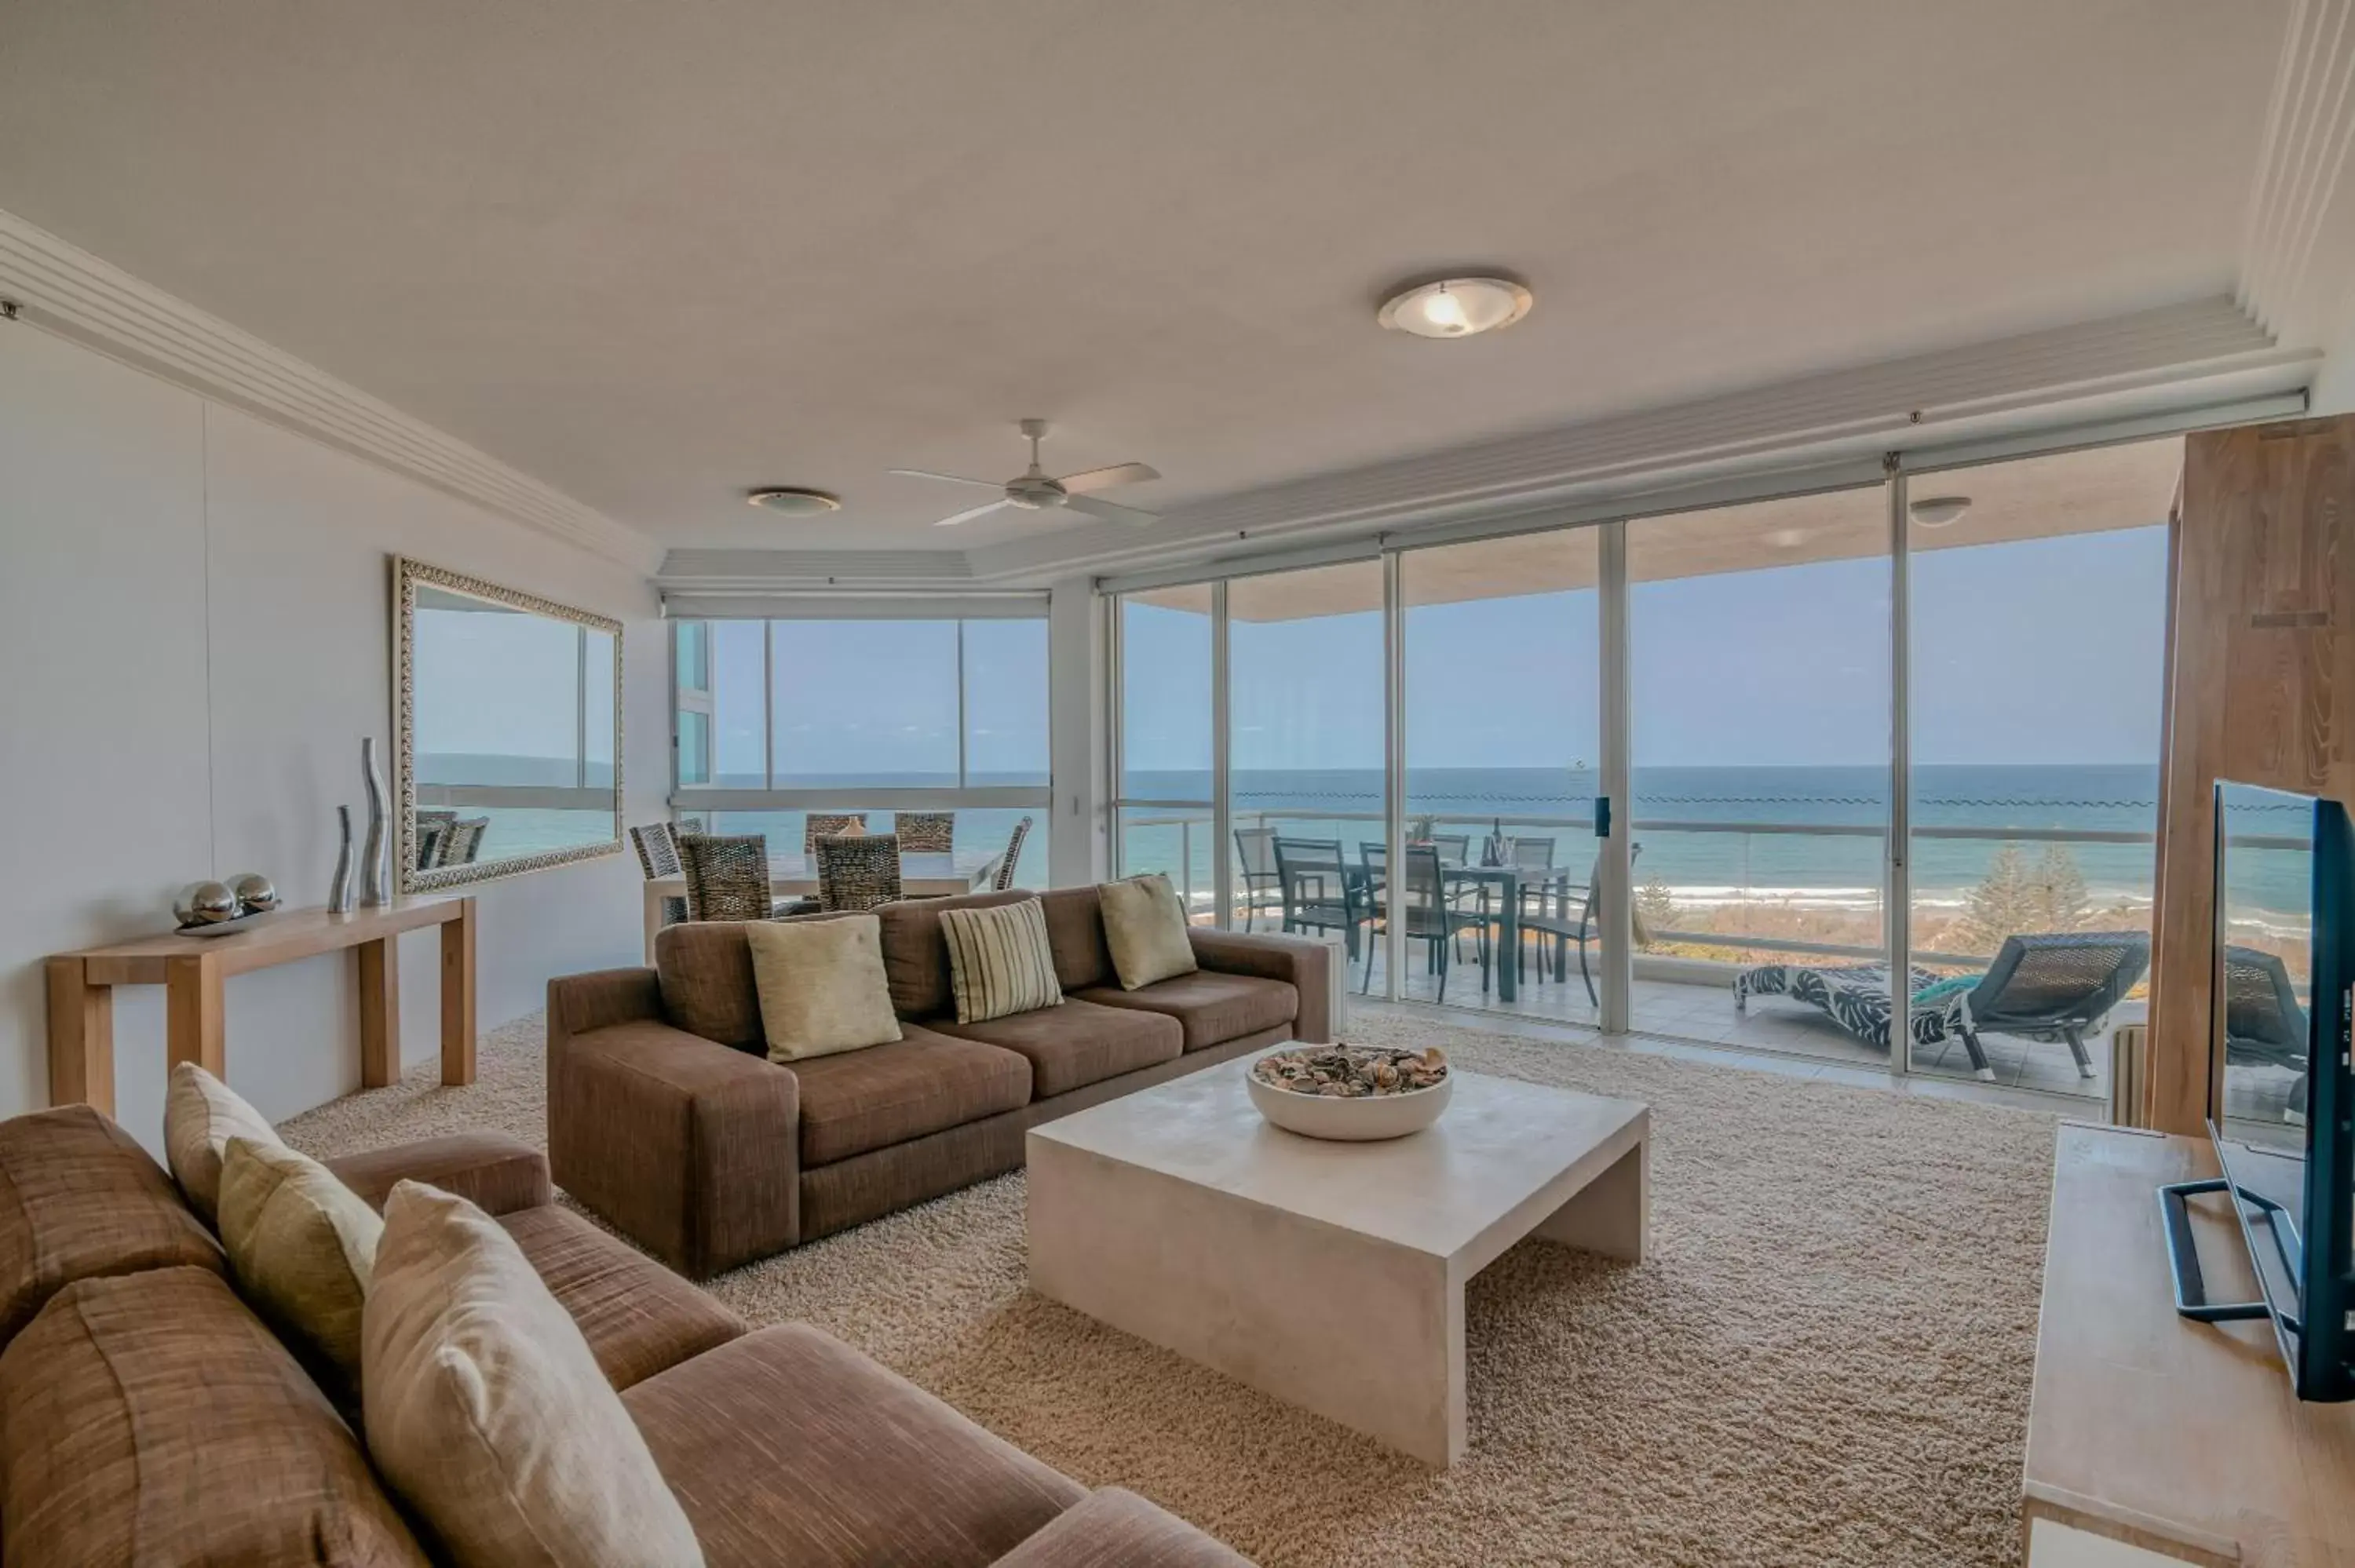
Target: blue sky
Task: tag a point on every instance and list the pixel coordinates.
(2044, 651)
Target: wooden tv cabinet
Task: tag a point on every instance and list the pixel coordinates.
(2153, 1440)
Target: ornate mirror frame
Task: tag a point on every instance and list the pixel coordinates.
(407, 575)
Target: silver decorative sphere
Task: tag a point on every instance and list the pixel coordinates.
(254, 893)
(205, 904)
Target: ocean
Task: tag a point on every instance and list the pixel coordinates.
(1698, 830)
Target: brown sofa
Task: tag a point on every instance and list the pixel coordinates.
(147, 1416)
(665, 1116)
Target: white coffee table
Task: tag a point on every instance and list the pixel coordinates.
(1179, 1215)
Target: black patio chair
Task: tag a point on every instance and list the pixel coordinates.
(1320, 894)
(2052, 986)
(1583, 930)
(1255, 862)
(1423, 903)
(2263, 1024)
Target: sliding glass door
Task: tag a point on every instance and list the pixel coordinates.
(2038, 615)
(1306, 740)
(1917, 716)
(1504, 754)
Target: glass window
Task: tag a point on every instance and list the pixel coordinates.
(863, 702)
(694, 747)
(1165, 677)
(695, 655)
(740, 729)
(1004, 702)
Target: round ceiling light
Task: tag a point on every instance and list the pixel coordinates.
(1937, 511)
(792, 501)
(1456, 307)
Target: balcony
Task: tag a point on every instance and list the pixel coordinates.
(1781, 893)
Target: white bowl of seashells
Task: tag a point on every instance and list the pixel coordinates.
(1354, 1094)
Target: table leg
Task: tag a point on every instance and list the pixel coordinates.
(380, 971)
(1509, 941)
(653, 903)
(82, 1038)
(192, 1014)
(1610, 1214)
(458, 996)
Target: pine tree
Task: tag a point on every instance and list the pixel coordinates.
(2013, 900)
(2062, 886)
(1655, 910)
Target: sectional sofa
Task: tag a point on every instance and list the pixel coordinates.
(667, 1118)
(148, 1416)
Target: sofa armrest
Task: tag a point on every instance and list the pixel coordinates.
(689, 1147)
(499, 1174)
(577, 1003)
(1117, 1529)
(1301, 962)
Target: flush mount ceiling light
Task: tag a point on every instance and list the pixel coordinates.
(1455, 307)
(792, 501)
(1937, 511)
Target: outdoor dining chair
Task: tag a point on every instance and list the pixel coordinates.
(1318, 893)
(1255, 863)
(1002, 878)
(658, 847)
(1420, 901)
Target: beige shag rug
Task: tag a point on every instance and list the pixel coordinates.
(1825, 1362)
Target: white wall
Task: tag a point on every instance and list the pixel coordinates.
(195, 632)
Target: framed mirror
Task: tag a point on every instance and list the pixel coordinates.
(507, 745)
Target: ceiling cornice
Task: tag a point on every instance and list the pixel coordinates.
(66, 289)
(2297, 250)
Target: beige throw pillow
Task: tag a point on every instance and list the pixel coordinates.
(200, 1116)
(484, 1408)
(999, 961)
(303, 1245)
(1144, 927)
(822, 986)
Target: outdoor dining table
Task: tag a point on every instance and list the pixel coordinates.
(921, 877)
(1509, 880)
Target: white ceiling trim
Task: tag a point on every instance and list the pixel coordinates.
(66, 289)
(2298, 247)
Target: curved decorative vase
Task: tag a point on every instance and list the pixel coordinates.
(339, 895)
(376, 858)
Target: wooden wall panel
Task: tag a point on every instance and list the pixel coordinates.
(2261, 688)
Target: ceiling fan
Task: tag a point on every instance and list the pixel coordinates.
(1036, 490)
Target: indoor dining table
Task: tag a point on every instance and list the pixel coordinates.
(921, 877)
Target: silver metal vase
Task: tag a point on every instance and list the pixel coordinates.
(339, 895)
(376, 858)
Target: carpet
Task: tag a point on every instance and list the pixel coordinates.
(1825, 1362)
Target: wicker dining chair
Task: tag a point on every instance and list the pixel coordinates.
(1006, 863)
(432, 826)
(925, 832)
(727, 877)
(463, 840)
(658, 847)
(821, 825)
(858, 873)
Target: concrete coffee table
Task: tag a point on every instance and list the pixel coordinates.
(1329, 1275)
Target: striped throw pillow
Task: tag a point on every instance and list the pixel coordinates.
(999, 962)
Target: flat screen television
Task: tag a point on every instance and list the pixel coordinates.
(2281, 1112)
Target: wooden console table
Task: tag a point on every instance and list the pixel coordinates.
(2172, 1441)
(191, 970)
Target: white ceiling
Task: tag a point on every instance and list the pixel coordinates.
(653, 254)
